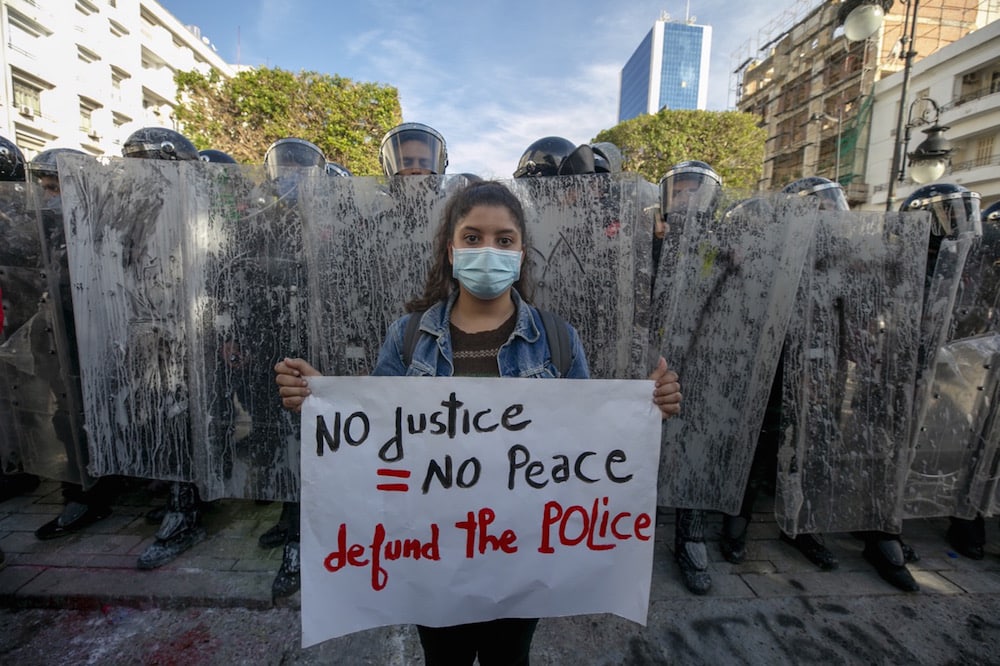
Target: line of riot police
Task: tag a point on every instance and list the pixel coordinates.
(150, 302)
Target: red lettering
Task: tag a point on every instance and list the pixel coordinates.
(593, 525)
(381, 549)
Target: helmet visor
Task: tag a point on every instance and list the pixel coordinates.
(413, 152)
(292, 153)
(955, 214)
(831, 197)
(689, 192)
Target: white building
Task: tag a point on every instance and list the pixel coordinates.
(963, 79)
(86, 73)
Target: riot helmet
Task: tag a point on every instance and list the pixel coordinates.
(992, 213)
(690, 187)
(292, 152)
(544, 157)
(11, 161)
(413, 149)
(607, 157)
(216, 156)
(159, 143)
(339, 170)
(954, 209)
(580, 162)
(44, 168)
(830, 194)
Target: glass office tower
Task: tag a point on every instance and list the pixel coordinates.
(669, 69)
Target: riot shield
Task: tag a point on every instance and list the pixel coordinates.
(368, 247)
(125, 228)
(37, 431)
(248, 295)
(952, 455)
(723, 311)
(850, 366)
(591, 249)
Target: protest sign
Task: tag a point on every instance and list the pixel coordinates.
(443, 501)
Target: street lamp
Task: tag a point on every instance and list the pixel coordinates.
(861, 19)
(820, 116)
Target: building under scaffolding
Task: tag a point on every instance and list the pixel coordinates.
(813, 89)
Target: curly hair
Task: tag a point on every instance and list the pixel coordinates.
(440, 282)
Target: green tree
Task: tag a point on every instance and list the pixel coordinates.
(730, 141)
(245, 114)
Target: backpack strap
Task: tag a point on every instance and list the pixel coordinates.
(557, 334)
(410, 336)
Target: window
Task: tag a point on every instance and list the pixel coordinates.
(995, 82)
(85, 55)
(27, 98)
(87, 108)
(984, 150)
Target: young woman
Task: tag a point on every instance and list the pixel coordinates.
(476, 321)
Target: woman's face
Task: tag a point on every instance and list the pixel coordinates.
(486, 226)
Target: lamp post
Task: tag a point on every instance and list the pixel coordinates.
(861, 19)
(820, 116)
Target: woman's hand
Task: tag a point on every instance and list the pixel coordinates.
(290, 377)
(667, 392)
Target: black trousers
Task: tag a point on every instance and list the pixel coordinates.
(505, 642)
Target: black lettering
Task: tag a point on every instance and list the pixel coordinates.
(323, 435)
(477, 468)
(365, 425)
(513, 454)
(479, 428)
(413, 429)
(511, 412)
(444, 477)
(438, 426)
(560, 472)
(452, 405)
(392, 450)
(615, 457)
(579, 465)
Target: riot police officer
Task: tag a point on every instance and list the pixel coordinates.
(544, 157)
(830, 196)
(413, 149)
(689, 188)
(216, 156)
(284, 162)
(180, 527)
(952, 207)
(11, 170)
(80, 507)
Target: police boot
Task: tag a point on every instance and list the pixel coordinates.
(277, 534)
(968, 537)
(690, 551)
(885, 553)
(733, 540)
(180, 530)
(288, 580)
(73, 517)
(812, 546)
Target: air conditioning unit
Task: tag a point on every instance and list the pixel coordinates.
(27, 111)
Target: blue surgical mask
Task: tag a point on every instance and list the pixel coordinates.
(486, 272)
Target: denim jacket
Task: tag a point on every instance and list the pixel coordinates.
(525, 354)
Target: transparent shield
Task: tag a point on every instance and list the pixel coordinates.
(591, 255)
(37, 428)
(721, 306)
(248, 294)
(951, 457)
(125, 224)
(850, 366)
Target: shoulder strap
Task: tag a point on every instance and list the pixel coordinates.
(410, 336)
(557, 334)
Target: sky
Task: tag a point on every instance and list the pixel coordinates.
(490, 75)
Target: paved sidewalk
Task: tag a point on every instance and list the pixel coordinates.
(774, 608)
